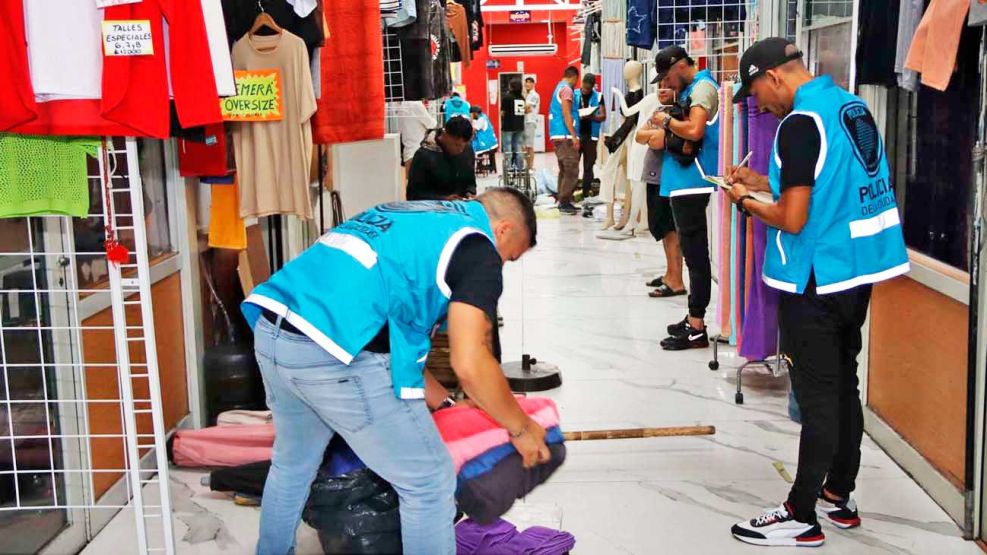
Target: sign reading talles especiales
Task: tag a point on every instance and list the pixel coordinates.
(259, 97)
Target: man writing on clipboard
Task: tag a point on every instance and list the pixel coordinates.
(836, 232)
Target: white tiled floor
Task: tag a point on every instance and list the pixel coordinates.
(585, 309)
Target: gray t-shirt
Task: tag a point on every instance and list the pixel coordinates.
(705, 95)
(652, 167)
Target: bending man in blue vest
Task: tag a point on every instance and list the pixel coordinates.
(342, 334)
(836, 231)
(562, 117)
(683, 184)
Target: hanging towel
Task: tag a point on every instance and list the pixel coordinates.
(936, 42)
(909, 14)
(226, 228)
(211, 157)
(44, 175)
(352, 108)
(761, 318)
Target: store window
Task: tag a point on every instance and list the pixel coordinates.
(932, 142)
(826, 29)
(90, 232)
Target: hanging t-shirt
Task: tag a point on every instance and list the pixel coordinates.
(425, 55)
(459, 26)
(64, 39)
(44, 175)
(475, 18)
(274, 158)
(240, 16)
(877, 40)
(642, 23)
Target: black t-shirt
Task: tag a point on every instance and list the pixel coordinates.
(512, 113)
(585, 124)
(435, 175)
(474, 277)
(799, 145)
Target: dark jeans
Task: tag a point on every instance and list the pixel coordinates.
(689, 212)
(587, 149)
(821, 336)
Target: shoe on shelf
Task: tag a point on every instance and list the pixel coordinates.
(678, 328)
(568, 209)
(843, 514)
(777, 527)
(690, 339)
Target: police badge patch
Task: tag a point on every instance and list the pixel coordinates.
(859, 125)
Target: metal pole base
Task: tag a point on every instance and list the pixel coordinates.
(530, 375)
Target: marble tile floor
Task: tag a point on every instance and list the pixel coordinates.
(580, 303)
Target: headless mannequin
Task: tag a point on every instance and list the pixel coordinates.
(619, 145)
(635, 217)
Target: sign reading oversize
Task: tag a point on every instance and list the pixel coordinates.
(258, 97)
(520, 16)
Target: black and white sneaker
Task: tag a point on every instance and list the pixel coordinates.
(678, 328)
(843, 514)
(690, 338)
(777, 527)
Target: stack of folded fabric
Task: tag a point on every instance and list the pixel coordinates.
(489, 470)
(502, 538)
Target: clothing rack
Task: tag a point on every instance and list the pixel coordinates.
(777, 364)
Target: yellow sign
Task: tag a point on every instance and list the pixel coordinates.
(258, 97)
(127, 38)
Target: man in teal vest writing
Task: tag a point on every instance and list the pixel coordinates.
(342, 334)
(835, 232)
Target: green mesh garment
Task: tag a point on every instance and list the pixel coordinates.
(44, 175)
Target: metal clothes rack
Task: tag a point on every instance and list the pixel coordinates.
(778, 365)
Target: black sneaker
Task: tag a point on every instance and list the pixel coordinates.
(690, 339)
(843, 514)
(678, 328)
(777, 527)
(568, 209)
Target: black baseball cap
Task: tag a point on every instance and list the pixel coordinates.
(666, 58)
(760, 57)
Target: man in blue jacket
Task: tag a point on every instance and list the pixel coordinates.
(342, 334)
(835, 232)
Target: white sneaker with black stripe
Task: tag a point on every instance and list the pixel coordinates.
(777, 527)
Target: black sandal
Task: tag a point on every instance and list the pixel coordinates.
(657, 282)
(664, 291)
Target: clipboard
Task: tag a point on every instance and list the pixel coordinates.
(721, 182)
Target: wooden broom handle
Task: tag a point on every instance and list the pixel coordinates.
(634, 433)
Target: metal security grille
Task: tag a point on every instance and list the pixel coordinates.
(65, 412)
(714, 32)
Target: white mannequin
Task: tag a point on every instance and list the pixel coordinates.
(614, 174)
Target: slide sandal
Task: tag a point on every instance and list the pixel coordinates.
(664, 291)
(657, 282)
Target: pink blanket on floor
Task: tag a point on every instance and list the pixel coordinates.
(467, 433)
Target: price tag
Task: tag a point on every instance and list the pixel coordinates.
(258, 97)
(127, 38)
(108, 3)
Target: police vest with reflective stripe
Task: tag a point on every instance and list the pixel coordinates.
(556, 116)
(853, 235)
(594, 102)
(679, 180)
(385, 266)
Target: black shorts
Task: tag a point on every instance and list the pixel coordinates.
(660, 219)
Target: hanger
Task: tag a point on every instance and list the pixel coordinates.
(264, 19)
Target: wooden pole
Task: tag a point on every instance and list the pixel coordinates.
(634, 433)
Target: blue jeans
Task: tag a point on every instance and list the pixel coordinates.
(513, 149)
(312, 396)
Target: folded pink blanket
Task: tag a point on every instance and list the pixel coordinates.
(466, 431)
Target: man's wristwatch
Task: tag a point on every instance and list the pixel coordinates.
(740, 205)
(446, 403)
(667, 124)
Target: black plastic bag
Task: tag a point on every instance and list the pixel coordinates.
(356, 513)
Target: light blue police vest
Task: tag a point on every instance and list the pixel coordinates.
(594, 101)
(853, 235)
(385, 266)
(456, 106)
(678, 180)
(556, 119)
(485, 140)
